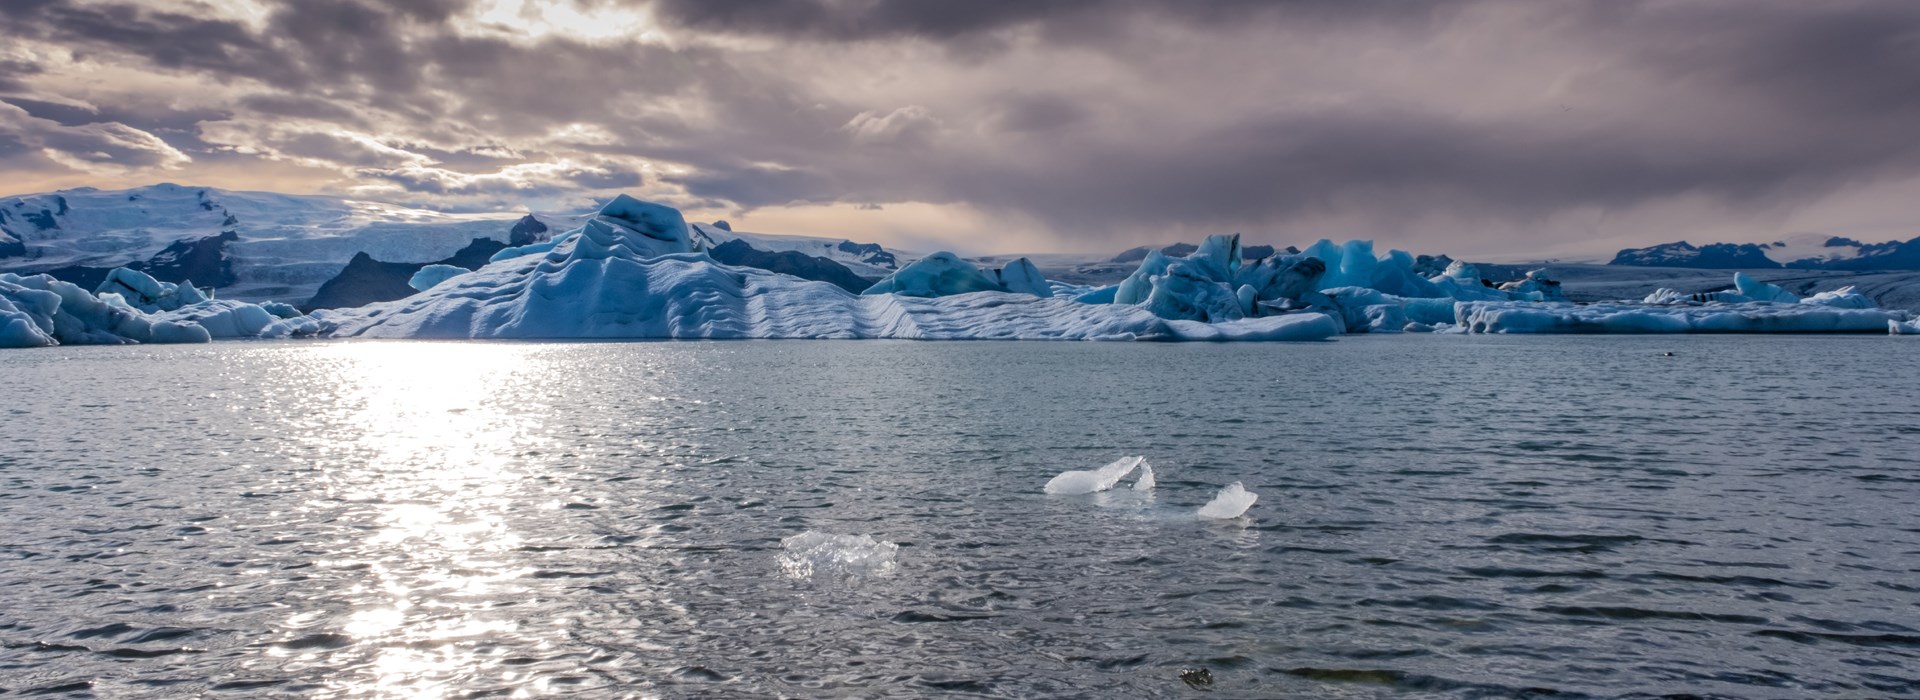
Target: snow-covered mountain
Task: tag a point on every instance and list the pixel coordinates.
(1805, 252)
(280, 247)
(323, 251)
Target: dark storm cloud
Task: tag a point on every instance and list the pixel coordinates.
(1224, 114)
(863, 20)
(1765, 103)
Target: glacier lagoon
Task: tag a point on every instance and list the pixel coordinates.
(1465, 516)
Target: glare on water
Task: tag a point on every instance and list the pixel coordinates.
(1470, 517)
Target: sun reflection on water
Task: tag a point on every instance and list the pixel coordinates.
(427, 474)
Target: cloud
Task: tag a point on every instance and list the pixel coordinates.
(1462, 125)
(911, 124)
(96, 147)
(527, 179)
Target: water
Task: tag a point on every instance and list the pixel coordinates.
(1438, 516)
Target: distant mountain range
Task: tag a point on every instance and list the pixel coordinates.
(1798, 252)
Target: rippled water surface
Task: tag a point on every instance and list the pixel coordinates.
(1449, 516)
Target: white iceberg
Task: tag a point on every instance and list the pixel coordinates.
(1903, 328)
(1756, 290)
(1074, 483)
(1232, 502)
(1842, 298)
(1146, 481)
(814, 555)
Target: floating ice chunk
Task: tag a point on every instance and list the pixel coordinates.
(1907, 328)
(819, 555)
(1074, 483)
(1145, 482)
(432, 275)
(1231, 502)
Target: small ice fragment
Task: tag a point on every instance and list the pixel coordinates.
(821, 555)
(1231, 502)
(1145, 482)
(1074, 483)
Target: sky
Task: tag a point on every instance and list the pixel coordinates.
(1496, 128)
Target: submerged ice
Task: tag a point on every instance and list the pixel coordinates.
(815, 555)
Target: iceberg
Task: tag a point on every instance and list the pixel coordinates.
(68, 315)
(937, 275)
(815, 555)
(1906, 328)
(1074, 483)
(608, 280)
(1022, 277)
(432, 275)
(1215, 283)
(1756, 290)
(1231, 502)
(21, 314)
(1534, 287)
(227, 318)
(1744, 317)
(1842, 298)
(141, 291)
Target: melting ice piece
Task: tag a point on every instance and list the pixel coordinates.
(1145, 482)
(822, 555)
(1074, 483)
(1231, 502)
